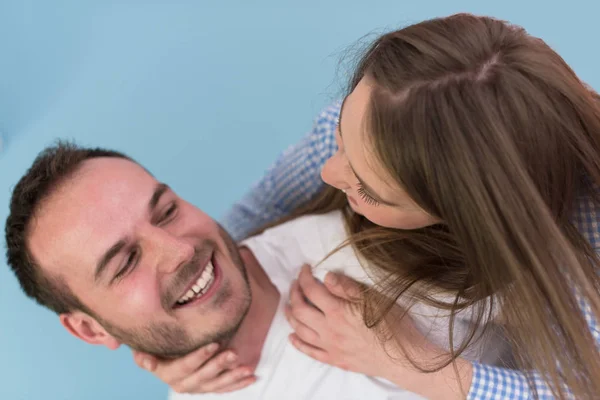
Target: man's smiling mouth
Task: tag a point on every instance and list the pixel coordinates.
(200, 286)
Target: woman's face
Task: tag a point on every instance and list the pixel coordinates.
(353, 168)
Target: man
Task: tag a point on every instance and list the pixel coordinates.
(123, 260)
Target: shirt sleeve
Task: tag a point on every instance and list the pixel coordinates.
(493, 383)
(293, 179)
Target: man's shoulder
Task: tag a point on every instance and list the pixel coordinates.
(312, 232)
(307, 239)
(332, 220)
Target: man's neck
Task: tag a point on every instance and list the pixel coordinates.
(250, 337)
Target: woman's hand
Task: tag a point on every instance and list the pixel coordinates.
(332, 331)
(202, 371)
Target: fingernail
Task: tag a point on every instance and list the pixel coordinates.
(231, 357)
(213, 347)
(331, 279)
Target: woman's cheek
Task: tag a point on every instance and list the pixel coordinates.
(379, 217)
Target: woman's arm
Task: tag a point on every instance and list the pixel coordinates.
(293, 179)
(336, 335)
(491, 383)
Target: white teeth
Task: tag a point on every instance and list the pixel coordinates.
(202, 285)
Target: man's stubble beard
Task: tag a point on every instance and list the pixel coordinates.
(167, 341)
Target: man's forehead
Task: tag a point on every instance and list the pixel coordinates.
(97, 185)
(112, 167)
(90, 211)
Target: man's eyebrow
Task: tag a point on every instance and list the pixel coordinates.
(106, 258)
(160, 189)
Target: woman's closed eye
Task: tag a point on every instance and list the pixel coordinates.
(367, 198)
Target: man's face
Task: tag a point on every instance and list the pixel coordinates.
(132, 251)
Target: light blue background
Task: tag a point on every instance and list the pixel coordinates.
(205, 94)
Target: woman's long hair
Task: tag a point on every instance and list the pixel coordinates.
(487, 128)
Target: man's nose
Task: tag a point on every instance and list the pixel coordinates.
(169, 251)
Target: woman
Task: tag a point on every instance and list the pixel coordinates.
(470, 155)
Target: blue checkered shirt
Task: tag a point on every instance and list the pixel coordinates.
(295, 177)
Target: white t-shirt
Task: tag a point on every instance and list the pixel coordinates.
(285, 373)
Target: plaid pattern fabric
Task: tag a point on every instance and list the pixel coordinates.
(490, 383)
(295, 177)
(290, 181)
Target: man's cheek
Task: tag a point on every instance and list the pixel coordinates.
(142, 294)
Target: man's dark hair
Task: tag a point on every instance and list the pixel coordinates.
(50, 169)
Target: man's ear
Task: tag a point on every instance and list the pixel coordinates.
(86, 328)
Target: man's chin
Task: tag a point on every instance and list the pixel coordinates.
(168, 342)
